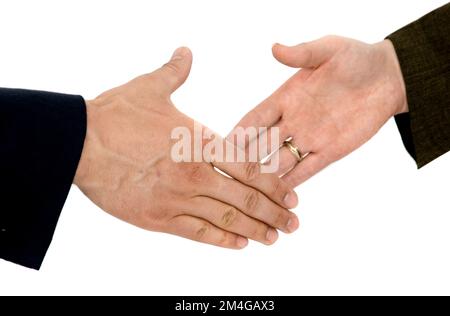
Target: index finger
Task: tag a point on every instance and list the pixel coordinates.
(265, 115)
(250, 173)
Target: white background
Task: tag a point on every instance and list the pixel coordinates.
(371, 224)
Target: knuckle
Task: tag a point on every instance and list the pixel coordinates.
(195, 173)
(309, 56)
(252, 201)
(252, 171)
(229, 217)
(172, 67)
(201, 233)
(224, 240)
(278, 190)
(156, 215)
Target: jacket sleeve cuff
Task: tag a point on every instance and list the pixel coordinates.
(42, 136)
(423, 50)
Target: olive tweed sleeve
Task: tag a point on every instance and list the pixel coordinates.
(423, 49)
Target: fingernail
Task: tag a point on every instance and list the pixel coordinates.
(292, 224)
(291, 200)
(241, 242)
(179, 53)
(271, 235)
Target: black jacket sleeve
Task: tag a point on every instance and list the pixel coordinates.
(423, 49)
(41, 140)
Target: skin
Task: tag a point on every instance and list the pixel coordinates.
(344, 93)
(127, 170)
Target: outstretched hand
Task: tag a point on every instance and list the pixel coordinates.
(344, 93)
(127, 169)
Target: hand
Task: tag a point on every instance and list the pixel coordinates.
(344, 94)
(127, 170)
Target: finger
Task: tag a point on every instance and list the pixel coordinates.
(173, 74)
(202, 231)
(262, 147)
(271, 186)
(306, 55)
(287, 160)
(263, 116)
(253, 203)
(231, 219)
(267, 142)
(252, 174)
(310, 166)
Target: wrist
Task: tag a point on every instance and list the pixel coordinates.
(395, 75)
(83, 165)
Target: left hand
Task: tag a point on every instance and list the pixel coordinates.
(344, 94)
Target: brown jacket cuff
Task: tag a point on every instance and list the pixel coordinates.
(423, 49)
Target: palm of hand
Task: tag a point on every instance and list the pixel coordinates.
(339, 106)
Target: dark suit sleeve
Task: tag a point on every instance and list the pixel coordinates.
(423, 49)
(41, 140)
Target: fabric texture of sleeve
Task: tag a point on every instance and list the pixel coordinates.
(423, 49)
(41, 140)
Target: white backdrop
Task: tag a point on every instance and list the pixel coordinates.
(371, 224)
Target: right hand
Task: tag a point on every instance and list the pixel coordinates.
(127, 170)
(343, 94)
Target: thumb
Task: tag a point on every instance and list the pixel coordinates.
(176, 71)
(306, 55)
